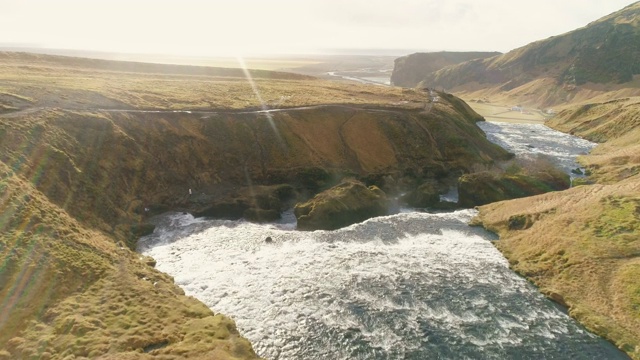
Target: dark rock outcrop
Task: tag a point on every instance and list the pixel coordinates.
(261, 215)
(487, 187)
(426, 195)
(226, 209)
(347, 203)
(256, 203)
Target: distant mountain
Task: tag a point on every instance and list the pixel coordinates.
(605, 51)
(55, 61)
(409, 70)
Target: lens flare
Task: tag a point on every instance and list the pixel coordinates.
(263, 106)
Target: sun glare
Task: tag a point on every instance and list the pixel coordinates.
(249, 27)
(263, 105)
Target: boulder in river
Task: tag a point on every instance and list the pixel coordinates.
(261, 215)
(426, 195)
(255, 203)
(347, 203)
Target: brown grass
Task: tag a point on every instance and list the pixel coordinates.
(84, 86)
(616, 124)
(72, 291)
(545, 93)
(583, 244)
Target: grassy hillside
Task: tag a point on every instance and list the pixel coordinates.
(112, 164)
(409, 70)
(79, 162)
(582, 246)
(601, 56)
(69, 290)
(616, 124)
(42, 61)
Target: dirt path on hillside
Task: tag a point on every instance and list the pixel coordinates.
(22, 112)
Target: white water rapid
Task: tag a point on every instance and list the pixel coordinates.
(407, 286)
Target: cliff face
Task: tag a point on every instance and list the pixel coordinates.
(80, 161)
(105, 167)
(409, 70)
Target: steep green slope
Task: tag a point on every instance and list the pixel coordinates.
(603, 52)
(600, 122)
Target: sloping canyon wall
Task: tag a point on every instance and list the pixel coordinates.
(75, 184)
(105, 167)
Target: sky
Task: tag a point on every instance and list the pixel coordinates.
(251, 27)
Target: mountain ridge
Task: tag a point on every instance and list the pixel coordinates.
(596, 58)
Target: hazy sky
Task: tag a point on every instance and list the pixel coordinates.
(245, 27)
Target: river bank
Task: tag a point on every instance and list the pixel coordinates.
(581, 246)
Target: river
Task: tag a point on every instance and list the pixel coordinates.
(366, 77)
(412, 285)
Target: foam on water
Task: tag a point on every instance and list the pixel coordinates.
(527, 140)
(406, 286)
